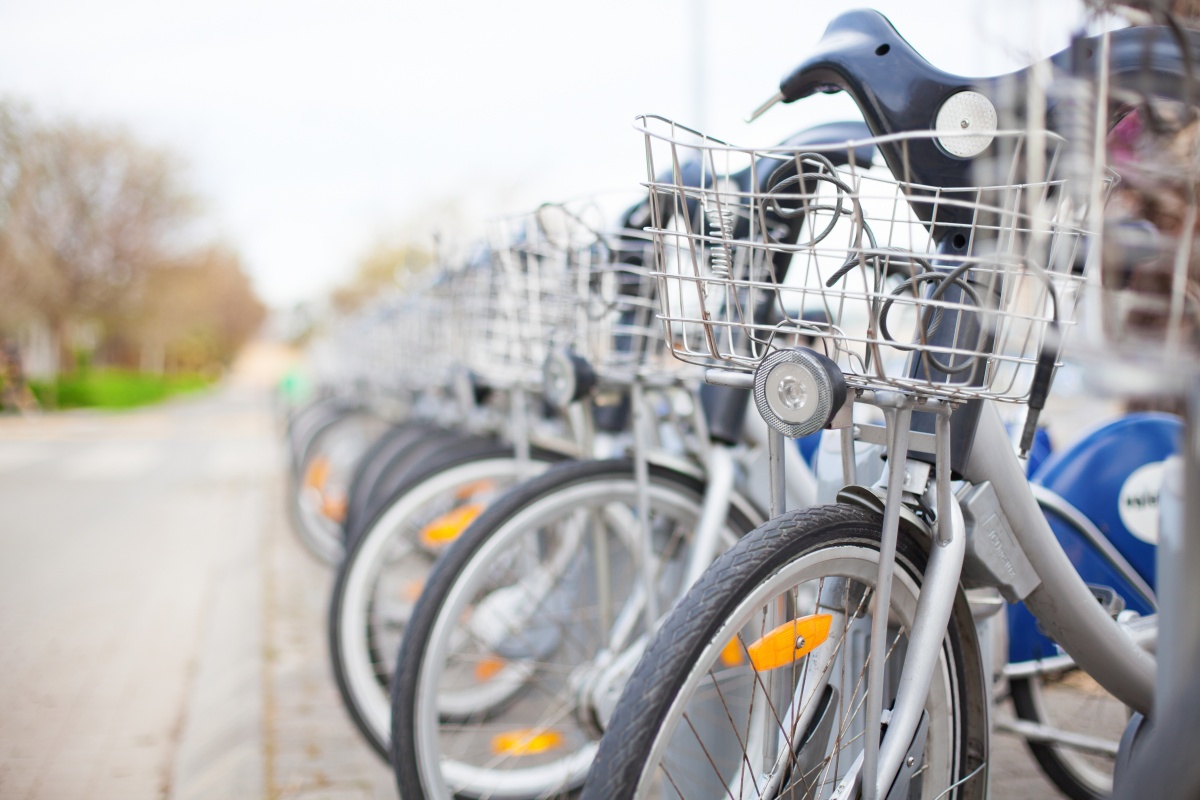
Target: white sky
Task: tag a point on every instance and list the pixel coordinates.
(314, 128)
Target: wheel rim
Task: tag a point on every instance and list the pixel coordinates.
(552, 709)
(383, 581)
(340, 446)
(714, 730)
(1073, 701)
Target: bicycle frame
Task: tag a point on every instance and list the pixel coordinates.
(1062, 602)
(1060, 599)
(898, 91)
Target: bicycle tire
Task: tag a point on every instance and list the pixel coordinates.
(301, 423)
(375, 462)
(336, 446)
(422, 454)
(1073, 774)
(535, 515)
(813, 544)
(359, 660)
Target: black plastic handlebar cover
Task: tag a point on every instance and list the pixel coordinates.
(897, 90)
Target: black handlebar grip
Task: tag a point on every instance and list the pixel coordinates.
(1039, 389)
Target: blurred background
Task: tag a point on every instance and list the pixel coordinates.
(189, 194)
(169, 172)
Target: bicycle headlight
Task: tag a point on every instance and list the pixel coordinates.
(798, 391)
(566, 378)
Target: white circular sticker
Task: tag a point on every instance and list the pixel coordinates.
(966, 112)
(1138, 501)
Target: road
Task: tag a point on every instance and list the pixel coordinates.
(117, 533)
(162, 634)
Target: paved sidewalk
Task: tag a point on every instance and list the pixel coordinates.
(162, 631)
(120, 538)
(313, 751)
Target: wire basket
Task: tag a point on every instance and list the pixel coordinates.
(564, 278)
(429, 342)
(954, 292)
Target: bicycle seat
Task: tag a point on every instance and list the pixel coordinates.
(897, 90)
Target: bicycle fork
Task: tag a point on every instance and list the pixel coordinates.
(883, 760)
(886, 765)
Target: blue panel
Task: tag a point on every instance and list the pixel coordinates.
(808, 447)
(1025, 640)
(1040, 451)
(1090, 476)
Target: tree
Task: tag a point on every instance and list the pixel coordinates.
(389, 264)
(87, 213)
(195, 313)
(97, 243)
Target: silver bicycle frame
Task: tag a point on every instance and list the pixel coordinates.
(882, 761)
(1062, 602)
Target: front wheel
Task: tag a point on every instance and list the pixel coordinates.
(385, 569)
(754, 685)
(529, 625)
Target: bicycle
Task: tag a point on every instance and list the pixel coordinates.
(428, 483)
(613, 334)
(1101, 498)
(442, 743)
(820, 694)
(326, 439)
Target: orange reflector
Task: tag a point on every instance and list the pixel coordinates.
(411, 591)
(487, 669)
(333, 506)
(317, 473)
(790, 641)
(469, 490)
(731, 656)
(448, 526)
(528, 742)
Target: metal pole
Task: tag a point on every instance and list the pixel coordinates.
(899, 418)
(775, 445)
(1178, 564)
(641, 471)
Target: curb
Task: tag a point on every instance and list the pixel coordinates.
(221, 754)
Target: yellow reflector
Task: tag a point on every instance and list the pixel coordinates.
(731, 656)
(469, 490)
(527, 742)
(317, 474)
(487, 669)
(448, 526)
(790, 641)
(333, 506)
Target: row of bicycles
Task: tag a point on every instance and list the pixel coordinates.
(736, 487)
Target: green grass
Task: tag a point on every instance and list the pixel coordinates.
(112, 388)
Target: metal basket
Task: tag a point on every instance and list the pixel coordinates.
(564, 279)
(952, 292)
(430, 345)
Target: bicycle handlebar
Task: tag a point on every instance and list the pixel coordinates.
(897, 90)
